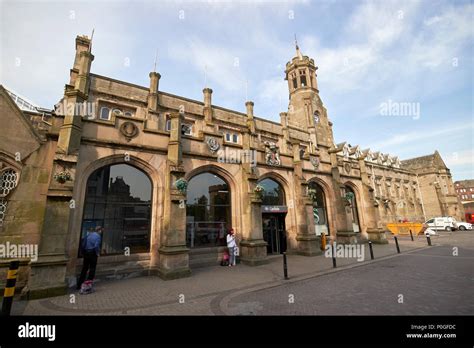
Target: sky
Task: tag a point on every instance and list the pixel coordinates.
(373, 56)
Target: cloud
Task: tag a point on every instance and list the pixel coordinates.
(417, 136)
(220, 64)
(461, 158)
(383, 42)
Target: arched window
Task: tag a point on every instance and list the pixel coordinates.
(104, 113)
(319, 209)
(118, 198)
(353, 205)
(273, 192)
(208, 211)
(8, 181)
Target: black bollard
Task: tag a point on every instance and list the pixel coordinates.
(333, 247)
(428, 238)
(411, 235)
(371, 250)
(396, 243)
(10, 288)
(285, 266)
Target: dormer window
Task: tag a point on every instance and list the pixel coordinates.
(104, 113)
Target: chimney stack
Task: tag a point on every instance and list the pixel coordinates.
(85, 62)
(207, 104)
(153, 93)
(207, 97)
(250, 119)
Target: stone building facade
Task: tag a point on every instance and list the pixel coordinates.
(167, 177)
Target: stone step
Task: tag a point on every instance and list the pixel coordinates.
(205, 257)
(204, 263)
(204, 251)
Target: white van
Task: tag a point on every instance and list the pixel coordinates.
(442, 223)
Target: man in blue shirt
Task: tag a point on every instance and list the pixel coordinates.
(90, 246)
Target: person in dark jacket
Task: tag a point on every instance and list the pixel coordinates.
(90, 250)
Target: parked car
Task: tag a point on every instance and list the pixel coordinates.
(462, 226)
(446, 223)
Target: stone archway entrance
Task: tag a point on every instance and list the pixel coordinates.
(274, 211)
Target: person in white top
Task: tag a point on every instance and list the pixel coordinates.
(231, 245)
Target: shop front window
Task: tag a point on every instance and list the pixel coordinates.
(319, 210)
(208, 211)
(353, 205)
(118, 198)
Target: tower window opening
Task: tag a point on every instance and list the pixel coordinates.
(295, 84)
(303, 80)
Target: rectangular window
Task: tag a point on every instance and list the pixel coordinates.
(168, 126)
(232, 137)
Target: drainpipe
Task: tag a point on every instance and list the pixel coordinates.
(421, 197)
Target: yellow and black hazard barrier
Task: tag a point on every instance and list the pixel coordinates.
(10, 288)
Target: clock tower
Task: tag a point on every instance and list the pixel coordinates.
(305, 109)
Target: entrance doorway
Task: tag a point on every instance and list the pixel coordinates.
(274, 233)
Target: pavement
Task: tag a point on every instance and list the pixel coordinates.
(430, 280)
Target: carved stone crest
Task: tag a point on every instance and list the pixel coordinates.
(212, 144)
(347, 167)
(129, 130)
(272, 154)
(315, 162)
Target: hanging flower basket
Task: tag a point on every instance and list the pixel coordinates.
(259, 190)
(62, 177)
(348, 197)
(312, 195)
(181, 185)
